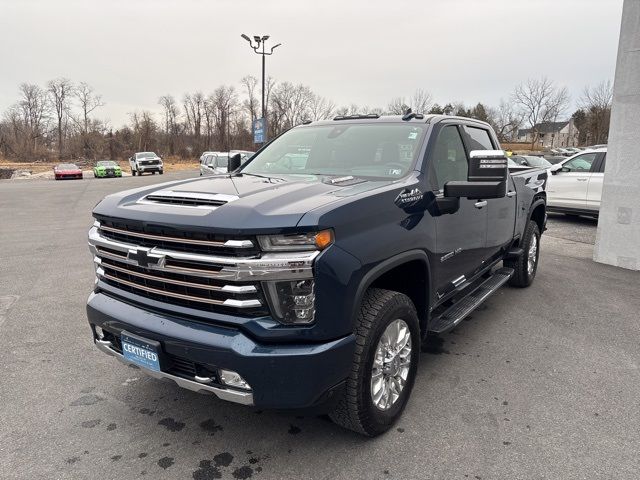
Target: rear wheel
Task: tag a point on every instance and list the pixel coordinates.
(526, 266)
(384, 364)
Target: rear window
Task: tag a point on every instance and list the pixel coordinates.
(479, 139)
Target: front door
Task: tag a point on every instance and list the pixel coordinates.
(501, 212)
(461, 236)
(594, 190)
(568, 187)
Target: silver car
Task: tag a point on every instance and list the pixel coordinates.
(214, 163)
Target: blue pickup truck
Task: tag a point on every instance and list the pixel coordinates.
(309, 277)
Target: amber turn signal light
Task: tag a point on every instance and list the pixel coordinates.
(324, 239)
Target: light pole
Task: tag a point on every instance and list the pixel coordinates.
(261, 40)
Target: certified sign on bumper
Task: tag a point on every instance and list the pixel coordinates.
(140, 351)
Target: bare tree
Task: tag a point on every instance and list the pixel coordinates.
(251, 104)
(397, 106)
(170, 112)
(194, 110)
(596, 103)
(89, 101)
(144, 129)
(505, 120)
(60, 91)
(419, 102)
(540, 101)
(224, 102)
(34, 111)
(320, 108)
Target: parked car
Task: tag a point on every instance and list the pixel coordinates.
(312, 283)
(205, 153)
(146, 162)
(214, 163)
(554, 159)
(531, 161)
(107, 168)
(244, 155)
(575, 186)
(67, 171)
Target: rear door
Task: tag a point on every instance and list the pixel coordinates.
(460, 236)
(594, 189)
(501, 212)
(568, 187)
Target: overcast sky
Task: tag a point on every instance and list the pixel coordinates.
(350, 51)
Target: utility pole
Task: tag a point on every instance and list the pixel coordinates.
(261, 41)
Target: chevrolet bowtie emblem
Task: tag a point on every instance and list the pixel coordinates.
(144, 258)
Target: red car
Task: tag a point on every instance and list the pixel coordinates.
(67, 171)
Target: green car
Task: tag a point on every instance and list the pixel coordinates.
(107, 168)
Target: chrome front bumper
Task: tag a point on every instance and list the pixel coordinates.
(244, 398)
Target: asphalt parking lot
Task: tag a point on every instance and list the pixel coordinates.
(541, 383)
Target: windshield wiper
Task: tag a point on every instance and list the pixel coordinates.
(239, 174)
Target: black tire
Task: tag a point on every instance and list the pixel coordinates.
(133, 172)
(522, 277)
(356, 410)
(161, 172)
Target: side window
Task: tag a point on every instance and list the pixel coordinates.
(603, 163)
(580, 164)
(478, 139)
(449, 160)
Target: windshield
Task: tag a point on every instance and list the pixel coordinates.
(106, 163)
(365, 150)
(146, 155)
(67, 166)
(518, 160)
(537, 161)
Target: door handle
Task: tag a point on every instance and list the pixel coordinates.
(582, 179)
(480, 204)
(511, 194)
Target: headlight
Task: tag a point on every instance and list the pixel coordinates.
(292, 302)
(296, 242)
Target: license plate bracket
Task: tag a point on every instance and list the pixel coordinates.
(141, 351)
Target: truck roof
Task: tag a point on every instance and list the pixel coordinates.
(407, 118)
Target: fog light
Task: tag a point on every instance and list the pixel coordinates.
(99, 332)
(233, 379)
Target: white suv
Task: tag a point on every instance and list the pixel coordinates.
(575, 186)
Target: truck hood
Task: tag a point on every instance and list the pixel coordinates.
(247, 203)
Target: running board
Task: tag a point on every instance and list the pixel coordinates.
(451, 317)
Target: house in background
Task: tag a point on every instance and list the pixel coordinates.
(551, 134)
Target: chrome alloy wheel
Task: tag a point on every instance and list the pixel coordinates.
(391, 364)
(533, 254)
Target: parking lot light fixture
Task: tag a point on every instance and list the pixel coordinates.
(261, 40)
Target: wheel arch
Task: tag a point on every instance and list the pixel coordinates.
(391, 274)
(538, 210)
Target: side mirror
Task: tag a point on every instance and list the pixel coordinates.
(555, 169)
(487, 177)
(234, 162)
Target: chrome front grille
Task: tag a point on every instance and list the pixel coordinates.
(135, 260)
(163, 237)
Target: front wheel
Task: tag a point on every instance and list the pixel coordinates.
(384, 364)
(161, 172)
(526, 266)
(133, 172)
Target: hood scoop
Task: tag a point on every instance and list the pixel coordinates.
(209, 201)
